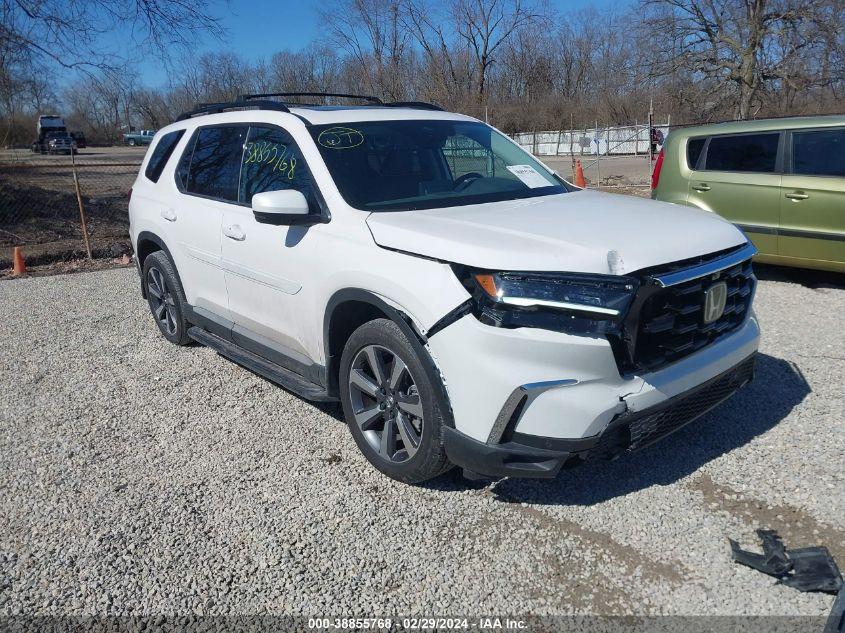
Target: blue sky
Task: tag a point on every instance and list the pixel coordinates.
(259, 28)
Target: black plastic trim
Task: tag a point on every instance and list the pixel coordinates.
(417, 105)
(271, 371)
(502, 460)
(290, 219)
(217, 108)
(256, 344)
(370, 98)
(155, 239)
(625, 419)
(450, 318)
(543, 457)
(209, 321)
(813, 235)
(752, 228)
(416, 338)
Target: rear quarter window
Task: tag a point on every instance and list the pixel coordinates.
(744, 153)
(161, 154)
(694, 147)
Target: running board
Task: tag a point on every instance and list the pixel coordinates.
(266, 369)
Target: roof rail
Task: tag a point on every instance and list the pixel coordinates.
(216, 108)
(261, 102)
(371, 99)
(419, 105)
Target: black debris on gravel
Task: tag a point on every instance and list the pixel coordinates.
(804, 569)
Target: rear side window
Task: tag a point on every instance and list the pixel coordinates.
(161, 153)
(272, 161)
(215, 163)
(694, 147)
(746, 152)
(819, 153)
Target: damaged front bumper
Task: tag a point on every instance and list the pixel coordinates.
(543, 457)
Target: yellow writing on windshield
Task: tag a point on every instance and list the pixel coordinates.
(340, 138)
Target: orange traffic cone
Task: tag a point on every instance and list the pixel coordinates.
(579, 175)
(19, 265)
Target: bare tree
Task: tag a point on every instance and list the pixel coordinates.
(445, 58)
(486, 25)
(513, 60)
(733, 42)
(69, 33)
(370, 31)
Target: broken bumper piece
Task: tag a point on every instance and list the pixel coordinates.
(804, 569)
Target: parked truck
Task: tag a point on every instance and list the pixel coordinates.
(49, 126)
(144, 137)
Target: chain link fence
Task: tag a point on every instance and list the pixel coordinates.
(41, 212)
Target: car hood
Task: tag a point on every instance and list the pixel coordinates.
(573, 232)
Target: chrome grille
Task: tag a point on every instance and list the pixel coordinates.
(671, 320)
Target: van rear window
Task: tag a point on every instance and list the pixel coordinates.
(161, 152)
(819, 153)
(743, 152)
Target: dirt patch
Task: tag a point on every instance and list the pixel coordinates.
(72, 266)
(593, 592)
(628, 190)
(47, 224)
(628, 556)
(797, 528)
(40, 212)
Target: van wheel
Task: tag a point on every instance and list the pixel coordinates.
(390, 404)
(166, 298)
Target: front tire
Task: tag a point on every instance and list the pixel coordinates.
(391, 404)
(166, 297)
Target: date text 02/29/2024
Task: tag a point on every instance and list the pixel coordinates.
(418, 624)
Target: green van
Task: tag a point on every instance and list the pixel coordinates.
(782, 181)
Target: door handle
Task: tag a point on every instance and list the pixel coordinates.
(234, 232)
(797, 195)
(169, 215)
(702, 187)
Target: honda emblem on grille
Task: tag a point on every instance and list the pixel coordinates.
(714, 301)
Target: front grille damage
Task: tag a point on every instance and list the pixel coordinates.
(665, 325)
(635, 430)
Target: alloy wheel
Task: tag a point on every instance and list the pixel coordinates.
(161, 301)
(386, 403)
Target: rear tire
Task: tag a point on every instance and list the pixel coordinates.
(391, 404)
(166, 297)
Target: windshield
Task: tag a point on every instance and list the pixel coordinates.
(406, 165)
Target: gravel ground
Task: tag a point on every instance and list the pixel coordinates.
(141, 478)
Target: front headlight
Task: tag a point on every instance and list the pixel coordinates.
(568, 302)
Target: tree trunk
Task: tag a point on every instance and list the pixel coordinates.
(746, 95)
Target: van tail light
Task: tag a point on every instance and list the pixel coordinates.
(129, 195)
(658, 165)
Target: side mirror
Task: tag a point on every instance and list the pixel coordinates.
(283, 207)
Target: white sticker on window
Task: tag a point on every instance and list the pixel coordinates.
(529, 176)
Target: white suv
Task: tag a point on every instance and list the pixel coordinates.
(465, 304)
